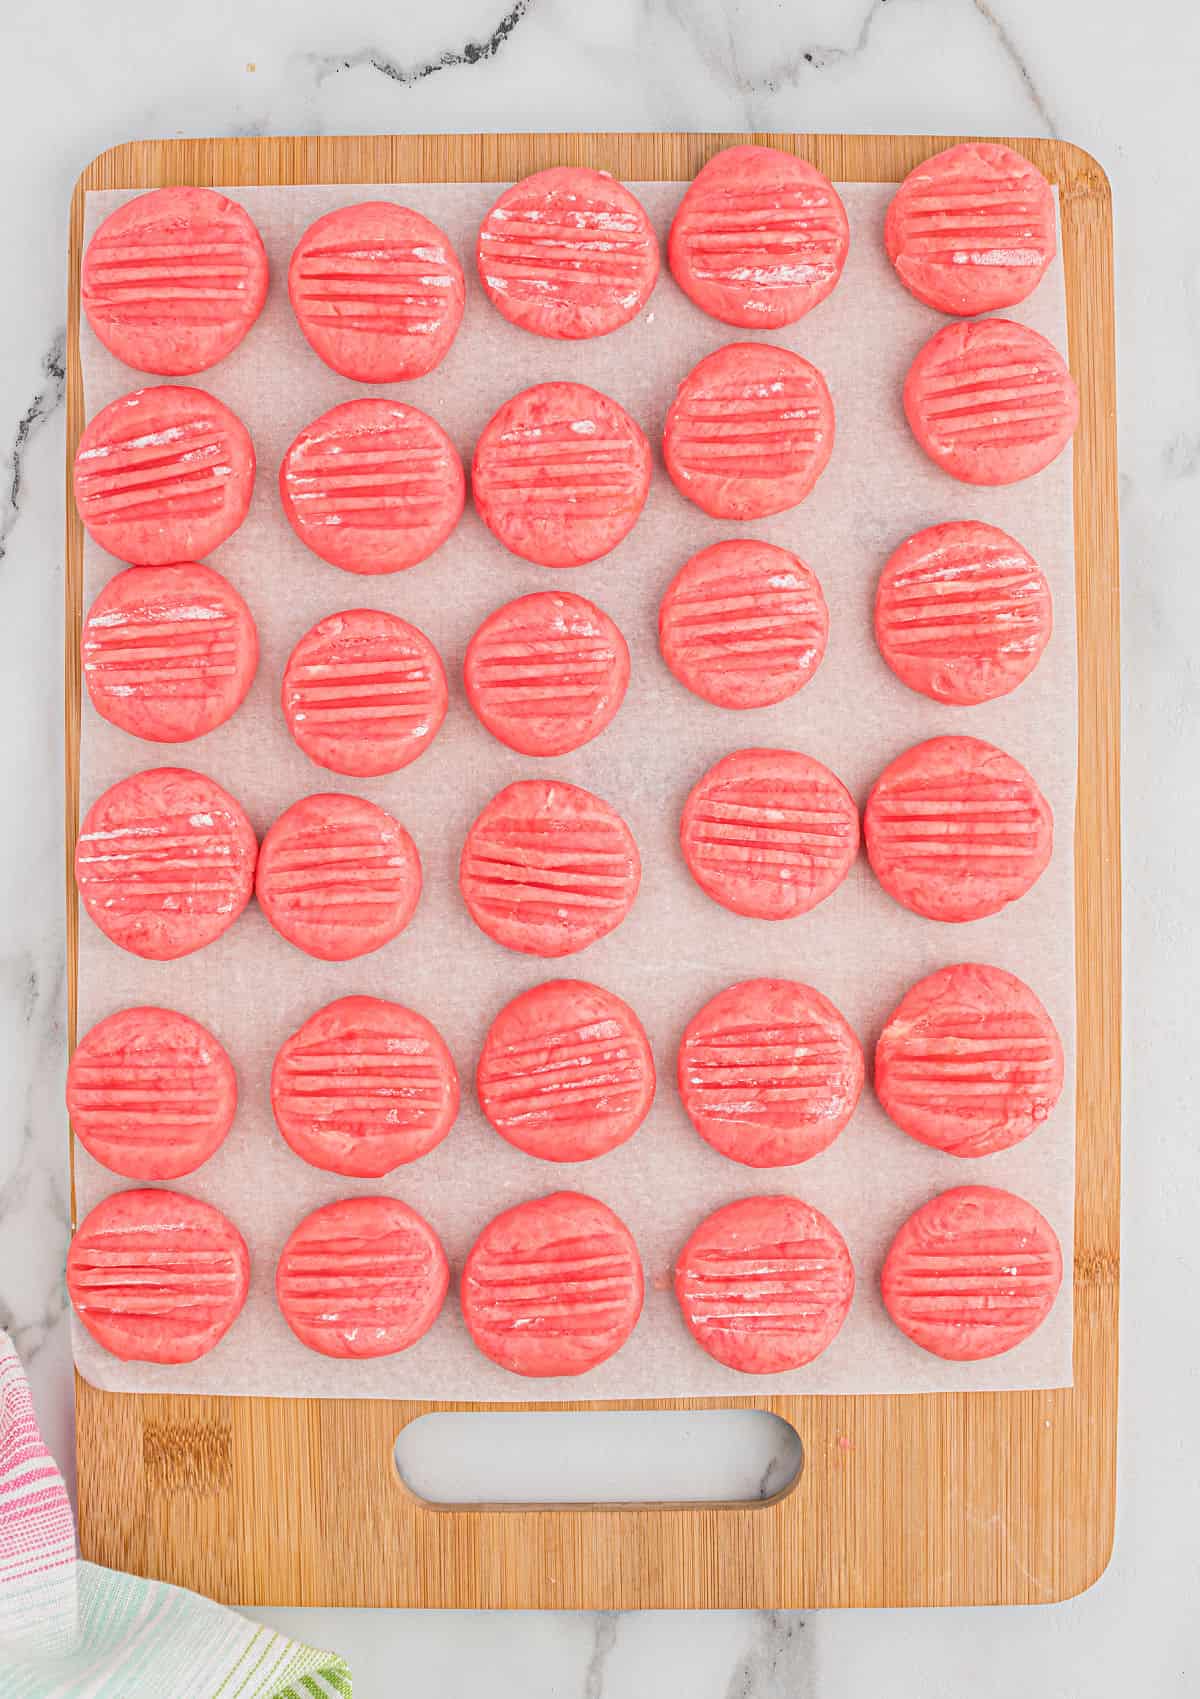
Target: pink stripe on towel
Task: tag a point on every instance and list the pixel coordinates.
(37, 1532)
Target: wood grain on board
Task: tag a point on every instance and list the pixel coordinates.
(963, 1498)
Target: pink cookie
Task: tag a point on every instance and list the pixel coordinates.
(378, 291)
(991, 402)
(553, 1286)
(165, 862)
(151, 1094)
(363, 1087)
(765, 1284)
(568, 253)
(769, 833)
(759, 239)
(955, 829)
(156, 1276)
(962, 612)
(548, 868)
(163, 475)
(969, 1062)
(972, 1273)
(749, 432)
(972, 229)
(363, 1277)
(337, 877)
(364, 693)
(169, 652)
(743, 624)
(561, 474)
(566, 1072)
(372, 486)
(770, 1072)
(174, 279)
(547, 672)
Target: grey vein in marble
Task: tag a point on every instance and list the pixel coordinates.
(778, 1663)
(35, 999)
(718, 49)
(44, 405)
(1181, 456)
(764, 1480)
(1000, 31)
(31, 1335)
(603, 1640)
(822, 57)
(813, 56)
(21, 974)
(327, 65)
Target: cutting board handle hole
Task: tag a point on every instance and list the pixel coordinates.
(491, 1459)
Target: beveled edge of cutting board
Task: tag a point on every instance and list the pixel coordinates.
(959, 1498)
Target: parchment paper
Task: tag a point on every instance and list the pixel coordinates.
(677, 948)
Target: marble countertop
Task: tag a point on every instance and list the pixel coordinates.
(1114, 78)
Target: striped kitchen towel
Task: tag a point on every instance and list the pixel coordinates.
(70, 1630)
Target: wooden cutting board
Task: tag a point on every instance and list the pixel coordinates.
(983, 1498)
